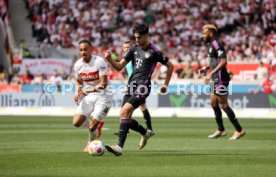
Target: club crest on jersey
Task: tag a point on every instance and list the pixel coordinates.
(147, 55)
(210, 50)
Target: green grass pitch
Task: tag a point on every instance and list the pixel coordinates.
(51, 147)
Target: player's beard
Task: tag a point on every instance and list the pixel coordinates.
(207, 40)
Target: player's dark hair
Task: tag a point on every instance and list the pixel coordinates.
(141, 29)
(85, 41)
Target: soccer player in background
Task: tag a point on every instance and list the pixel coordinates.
(93, 101)
(267, 86)
(144, 57)
(219, 83)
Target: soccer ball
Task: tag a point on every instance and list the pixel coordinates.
(96, 148)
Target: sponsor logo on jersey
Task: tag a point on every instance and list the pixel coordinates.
(138, 62)
(220, 52)
(87, 76)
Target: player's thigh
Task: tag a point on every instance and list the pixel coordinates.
(223, 101)
(221, 89)
(102, 106)
(214, 100)
(130, 103)
(125, 98)
(136, 100)
(85, 107)
(143, 106)
(126, 111)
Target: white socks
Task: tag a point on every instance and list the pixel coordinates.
(92, 135)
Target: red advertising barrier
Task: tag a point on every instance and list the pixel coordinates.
(10, 88)
(236, 68)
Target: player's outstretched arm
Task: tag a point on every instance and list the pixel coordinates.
(170, 67)
(259, 88)
(117, 65)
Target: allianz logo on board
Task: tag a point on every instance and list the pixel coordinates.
(46, 100)
(8, 100)
(12, 100)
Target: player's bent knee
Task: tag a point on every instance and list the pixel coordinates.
(214, 105)
(223, 106)
(143, 107)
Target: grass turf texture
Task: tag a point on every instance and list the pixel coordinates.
(51, 146)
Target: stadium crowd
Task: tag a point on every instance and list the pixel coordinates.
(247, 27)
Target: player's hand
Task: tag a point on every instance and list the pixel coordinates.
(201, 73)
(81, 93)
(163, 89)
(125, 91)
(207, 78)
(107, 55)
(76, 97)
(89, 90)
(254, 92)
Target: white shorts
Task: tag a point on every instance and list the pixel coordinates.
(96, 106)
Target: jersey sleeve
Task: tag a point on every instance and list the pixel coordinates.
(161, 58)
(130, 54)
(102, 67)
(219, 49)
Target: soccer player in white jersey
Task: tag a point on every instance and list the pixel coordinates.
(93, 101)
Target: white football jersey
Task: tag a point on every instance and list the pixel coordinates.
(90, 72)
